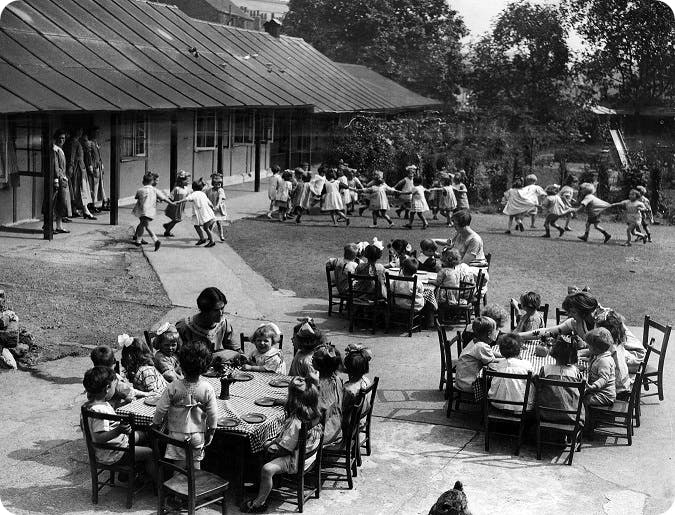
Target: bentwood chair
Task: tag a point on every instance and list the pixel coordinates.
(515, 317)
(462, 305)
(364, 301)
(335, 297)
(347, 454)
(364, 429)
(247, 339)
(403, 316)
(452, 393)
(653, 375)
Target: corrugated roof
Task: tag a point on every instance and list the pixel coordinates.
(109, 55)
(393, 90)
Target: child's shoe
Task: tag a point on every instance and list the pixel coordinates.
(222, 238)
(157, 245)
(347, 222)
(505, 232)
(583, 238)
(562, 233)
(200, 242)
(567, 229)
(627, 244)
(547, 235)
(607, 237)
(210, 244)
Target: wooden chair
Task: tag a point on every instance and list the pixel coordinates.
(560, 314)
(452, 393)
(364, 441)
(653, 375)
(125, 466)
(548, 417)
(347, 454)
(542, 309)
(297, 483)
(335, 297)
(463, 310)
(198, 488)
(480, 282)
(247, 339)
(442, 339)
(365, 306)
(619, 415)
(495, 415)
(406, 317)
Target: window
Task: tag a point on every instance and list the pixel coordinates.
(243, 127)
(205, 130)
(267, 132)
(134, 135)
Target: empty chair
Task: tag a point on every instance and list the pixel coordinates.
(653, 373)
(401, 297)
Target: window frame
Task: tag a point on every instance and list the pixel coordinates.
(130, 127)
(206, 132)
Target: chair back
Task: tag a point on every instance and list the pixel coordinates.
(649, 342)
(370, 393)
(447, 353)
(92, 446)
(364, 286)
(560, 314)
(542, 309)
(394, 293)
(159, 443)
(488, 259)
(634, 399)
(464, 292)
(354, 418)
(555, 413)
(330, 277)
(303, 453)
(247, 339)
(489, 375)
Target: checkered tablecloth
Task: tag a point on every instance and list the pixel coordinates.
(527, 353)
(241, 401)
(428, 290)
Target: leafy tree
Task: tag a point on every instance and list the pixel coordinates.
(413, 42)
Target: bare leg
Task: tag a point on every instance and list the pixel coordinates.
(374, 218)
(510, 223)
(200, 233)
(425, 224)
(268, 472)
(387, 218)
(411, 218)
(332, 217)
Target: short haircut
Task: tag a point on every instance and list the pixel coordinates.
(58, 133)
(564, 351)
(209, 298)
(483, 325)
(571, 179)
(461, 218)
(614, 323)
(307, 340)
(194, 358)
(417, 180)
(326, 360)
(372, 253)
(400, 246)
(428, 244)
(530, 179)
(552, 189)
(263, 332)
(517, 183)
(509, 345)
(450, 257)
(350, 251)
(409, 266)
(530, 300)
(599, 339)
(637, 193)
(197, 185)
(97, 379)
(276, 169)
(641, 189)
(103, 356)
(357, 364)
(496, 313)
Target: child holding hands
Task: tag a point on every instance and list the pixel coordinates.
(266, 357)
(594, 206)
(634, 210)
(146, 208)
(175, 211)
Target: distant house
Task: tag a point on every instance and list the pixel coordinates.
(217, 11)
(267, 9)
(168, 92)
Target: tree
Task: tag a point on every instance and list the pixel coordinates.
(413, 42)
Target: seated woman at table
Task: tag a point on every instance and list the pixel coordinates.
(565, 369)
(409, 269)
(601, 390)
(429, 261)
(374, 269)
(613, 322)
(306, 338)
(466, 241)
(452, 273)
(344, 266)
(265, 357)
(506, 388)
(326, 361)
(527, 316)
(209, 325)
(189, 405)
(301, 407)
(139, 367)
(476, 354)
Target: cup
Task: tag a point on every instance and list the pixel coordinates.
(225, 383)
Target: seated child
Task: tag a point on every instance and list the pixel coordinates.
(476, 354)
(510, 389)
(500, 316)
(343, 267)
(104, 356)
(565, 369)
(266, 357)
(139, 367)
(399, 250)
(613, 322)
(326, 361)
(306, 338)
(452, 273)
(428, 261)
(189, 405)
(167, 343)
(601, 390)
(356, 364)
(301, 407)
(371, 267)
(527, 316)
(98, 382)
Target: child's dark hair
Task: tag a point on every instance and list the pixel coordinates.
(307, 336)
(287, 175)
(461, 218)
(409, 266)
(357, 360)
(197, 185)
(194, 358)
(372, 253)
(303, 403)
(509, 345)
(103, 356)
(330, 174)
(135, 356)
(350, 251)
(306, 177)
(97, 379)
(482, 326)
(564, 351)
(428, 245)
(209, 298)
(531, 300)
(496, 313)
(417, 180)
(517, 183)
(400, 246)
(326, 360)
(450, 257)
(614, 323)
(599, 339)
(446, 181)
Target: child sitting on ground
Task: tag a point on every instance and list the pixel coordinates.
(476, 354)
(302, 407)
(98, 382)
(506, 388)
(266, 357)
(167, 343)
(306, 338)
(428, 261)
(124, 393)
(357, 365)
(342, 267)
(140, 368)
(189, 405)
(527, 316)
(326, 361)
(601, 390)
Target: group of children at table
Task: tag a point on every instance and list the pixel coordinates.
(187, 402)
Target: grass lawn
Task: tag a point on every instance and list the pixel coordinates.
(633, 280)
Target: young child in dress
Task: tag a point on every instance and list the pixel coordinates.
(527, 316)
(601, 390)
(266, 357)
(167, 344)
(594, 207)
(306, 338)
(304, 197)
(146, 208)
(283, 194)
(399, 251)
(418, 205)
(344, 266)
(506, 388)
(98, 382)
(356, 365)
(175, 212)
(555, 207)
(124, 392)
(378, 202)
(189, 405)
(409, 269)
(517, 205)
(272, 188)
(447, 202)
(476, 354)
(647, 215)
(452, 272)
(535, 194)
(327, 360)
(405, 187)
(203, 216)
(140, 368)
(216, 195)
(460, 190)
(302, 407)
(614, 323)
(428, 260)
(353, 183)
(332, 198)
(634, 211)
(567, 193)
(371, 267)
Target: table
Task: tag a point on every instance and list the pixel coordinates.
(428, 290)
(527, 353)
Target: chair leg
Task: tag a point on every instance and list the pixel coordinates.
(351, 319)
(130, 492)
(368, 440)
(330, 304)
(538, 442)
(223, 506)
(301, 492)
(660, 386)
(572, 448)
(94, 485)
(629, 429)
(160, 501)
(348, 469)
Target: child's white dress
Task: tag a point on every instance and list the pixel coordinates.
(378, 197)
(217, 198)
(517, 203)
(447, 202)
(332, 200)
(305, 196)
(202, 208)
(346, 194)
(419, 201)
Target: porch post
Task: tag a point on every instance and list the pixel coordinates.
(257, 132)
(114, 169)
(48, 174)
(173, 151)
(219, 144)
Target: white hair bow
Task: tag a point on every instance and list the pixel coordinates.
(124, 340)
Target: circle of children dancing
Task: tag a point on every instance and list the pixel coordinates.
(524, 198)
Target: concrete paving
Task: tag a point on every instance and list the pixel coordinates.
(418, 452)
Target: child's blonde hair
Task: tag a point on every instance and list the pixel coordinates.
(303, 401)
(450, 257)
(599, 339)
(586, 188)
(265, 331)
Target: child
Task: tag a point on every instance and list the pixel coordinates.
(409, 268)
(167, 343)
(139, 367)
(565, 369)
(356, 365)
(146, 208)
(505, 388)
(601, 389)
(343, 267)
(500, 316)
(428, 261)
(203, 216)
(517, 205)
(332, 198)
(124, 393)
(371, 267)
(306, 338)
(555, 207)
(419, 204)
(283, 194)
(447, 202)
(175, 211)
(304, 197)
(648, 215)
(476, 354)
(452, 273)
(302, 407)
(529, 318)
(265, 357)
(98, 382)
(634, 209)
(189, 406)
(326, 361)
(534, 193)
(353, 183)
(567, 193)
(216, 195)
(594, 206)
(613, 322)
(405, 187)
(399, 251)
(272, 188)
(378, 201)
(461, 193)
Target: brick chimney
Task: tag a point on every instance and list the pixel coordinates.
(273, 27)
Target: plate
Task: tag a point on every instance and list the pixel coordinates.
(254, 418)
(280, 382)
(265, 401)
(151, 401)
(242, 376)
(227, 422)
